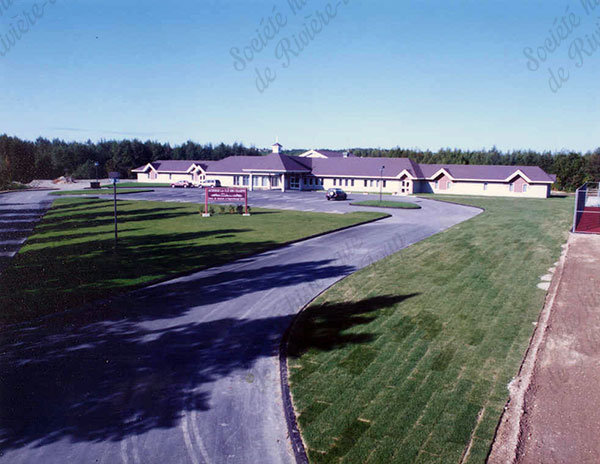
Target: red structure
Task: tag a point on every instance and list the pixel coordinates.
(226, 194)
(589, 222)
(586, 218)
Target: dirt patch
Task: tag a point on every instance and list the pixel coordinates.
(553, 415)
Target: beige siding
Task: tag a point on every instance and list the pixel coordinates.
(227, 180)
(392, 186)
(165, 178)
(493, 189)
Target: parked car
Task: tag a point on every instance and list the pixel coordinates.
(336, 194)
(182, 184)
(210, 183)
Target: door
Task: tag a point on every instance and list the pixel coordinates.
(294, 183)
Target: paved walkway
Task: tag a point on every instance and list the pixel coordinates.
(185, 371)
(562, 404)
(19, 212)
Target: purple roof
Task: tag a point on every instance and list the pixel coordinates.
(485, 172)
(351, 166)
(174, 165)
(363, 167)
(275, 162)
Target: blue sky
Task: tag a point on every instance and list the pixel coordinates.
(424, 74)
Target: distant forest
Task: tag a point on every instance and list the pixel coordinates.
(23, 161)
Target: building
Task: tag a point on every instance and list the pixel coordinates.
(323, 169)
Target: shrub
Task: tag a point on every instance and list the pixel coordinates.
(222, 209)
(231, 209)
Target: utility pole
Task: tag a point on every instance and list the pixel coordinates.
(381, 182)
(115, 178)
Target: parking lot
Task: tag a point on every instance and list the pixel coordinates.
(296, 200)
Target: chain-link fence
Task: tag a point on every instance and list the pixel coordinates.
(586, 218)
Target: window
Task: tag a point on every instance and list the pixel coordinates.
(275, 181)
(448, 185)
(524, 188)
(246, 180)
(352, 183)
(511, 188)
(384, 183)
(265, 181)
(170, 176)
(485, 186)
(334, 182)
(437, 184)
(346, 182)
(366, 183)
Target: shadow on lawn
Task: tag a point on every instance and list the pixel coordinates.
(323, 326)
(59, 223)
(141, 362)
(75, 274)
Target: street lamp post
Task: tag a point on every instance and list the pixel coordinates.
(381, 182)
(96, 164)
(115, 179)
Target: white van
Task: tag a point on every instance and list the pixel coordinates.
(210, 183)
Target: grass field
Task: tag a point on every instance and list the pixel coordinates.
(409, 359)
(69, 260)
(387, 204)
(99, 192)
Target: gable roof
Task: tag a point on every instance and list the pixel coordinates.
(486, 172)
(174, 166)
(274, 162)
(326, 154)
(364, 167)
(352, 167)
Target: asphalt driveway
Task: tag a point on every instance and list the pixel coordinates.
(185, 371)
(19, 212)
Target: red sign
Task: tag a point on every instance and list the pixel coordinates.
(226, 194)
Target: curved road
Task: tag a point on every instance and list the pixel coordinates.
(185, 371)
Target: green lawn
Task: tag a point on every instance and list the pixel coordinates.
(69, 259)
(99, 192)
(387, 204)
(409, 359)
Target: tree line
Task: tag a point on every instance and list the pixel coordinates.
(23, 161)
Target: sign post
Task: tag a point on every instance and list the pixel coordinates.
(206, 213)
(225, 194)
(115, 176)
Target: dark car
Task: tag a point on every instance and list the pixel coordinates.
(335, 194)
(182, 184)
